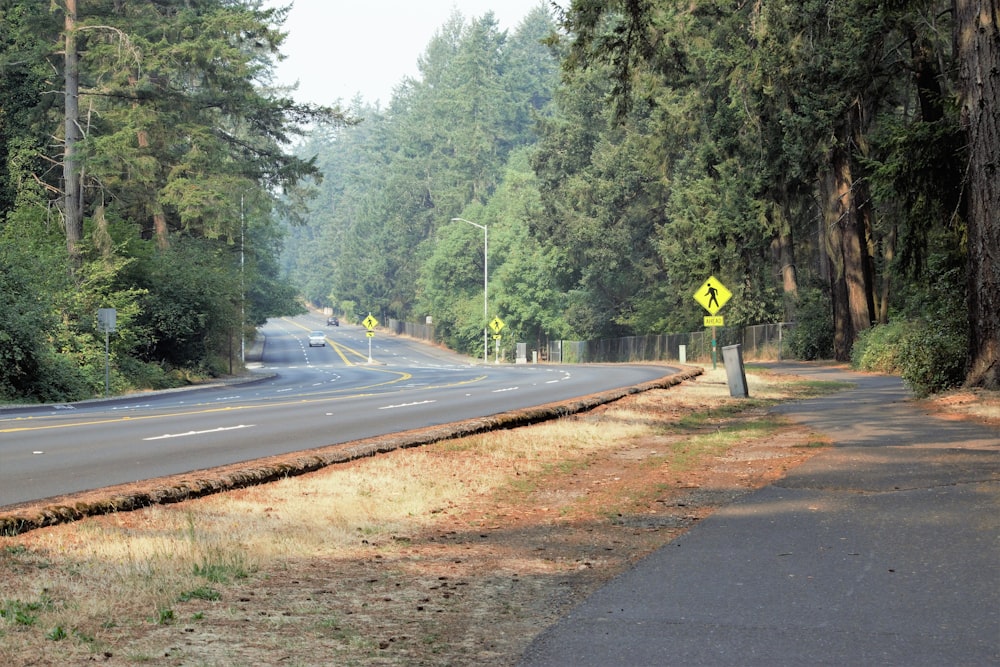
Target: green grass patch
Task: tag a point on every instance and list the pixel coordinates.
(200, 593)
(19, 612)
(164, 616)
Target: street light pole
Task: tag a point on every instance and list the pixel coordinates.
(486, 308)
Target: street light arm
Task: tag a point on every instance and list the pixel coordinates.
(474, 224)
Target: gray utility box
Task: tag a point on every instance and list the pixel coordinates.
(732, 358)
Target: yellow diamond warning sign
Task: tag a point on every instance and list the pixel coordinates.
(712, 295)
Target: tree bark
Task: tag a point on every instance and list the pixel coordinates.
(783, 254)
(160, 231)
(977, 37)
(850, 284)
(72, 188)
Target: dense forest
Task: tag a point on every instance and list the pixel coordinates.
(834, 164)
(143, 165)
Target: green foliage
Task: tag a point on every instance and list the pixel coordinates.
(682, 140)
(182, 154)
(881, 348)
(929, 355)
(200, 593)
(383, 240)
(927, 345)
(164, 616)
(812, 337)
(32, 278)
(20, 612)
(934, 357)
(220, 572)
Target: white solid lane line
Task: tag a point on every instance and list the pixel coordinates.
(189, 433)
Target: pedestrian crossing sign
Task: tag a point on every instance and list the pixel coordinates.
(712, 295)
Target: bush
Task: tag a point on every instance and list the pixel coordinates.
(929, 355)
(812, 337)
(879, 349)
(934, 357)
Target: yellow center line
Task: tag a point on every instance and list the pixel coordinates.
(337, 347)
(236, 408)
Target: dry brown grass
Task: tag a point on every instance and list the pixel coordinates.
(452, 553)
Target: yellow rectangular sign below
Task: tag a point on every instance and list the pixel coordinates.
(714, 321)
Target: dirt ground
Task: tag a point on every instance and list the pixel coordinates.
(486, 576)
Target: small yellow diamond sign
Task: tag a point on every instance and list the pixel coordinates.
(370, 322)
(496, 324)
(712, 295)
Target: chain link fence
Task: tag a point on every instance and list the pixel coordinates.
(758, 342)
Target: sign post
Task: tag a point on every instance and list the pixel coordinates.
(107, 321)
(713, 295)
(370, 323)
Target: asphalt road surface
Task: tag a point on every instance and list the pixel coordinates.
(305, 397)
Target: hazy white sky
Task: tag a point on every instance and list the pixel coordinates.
(340, 48)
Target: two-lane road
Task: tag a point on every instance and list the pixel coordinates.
(307, 397)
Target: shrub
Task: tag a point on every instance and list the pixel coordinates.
(934, 357)
(879, 349)
(812, 337)
(929, 355)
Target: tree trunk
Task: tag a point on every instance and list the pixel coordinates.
(850, 286)
(783, 254)
(977, 37)
(72, 188)
(889, 254)
(160, 232)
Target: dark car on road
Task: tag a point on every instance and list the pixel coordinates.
(332, 322)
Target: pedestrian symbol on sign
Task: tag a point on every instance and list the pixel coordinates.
(713, 296)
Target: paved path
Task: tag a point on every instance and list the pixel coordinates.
(883, 550)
